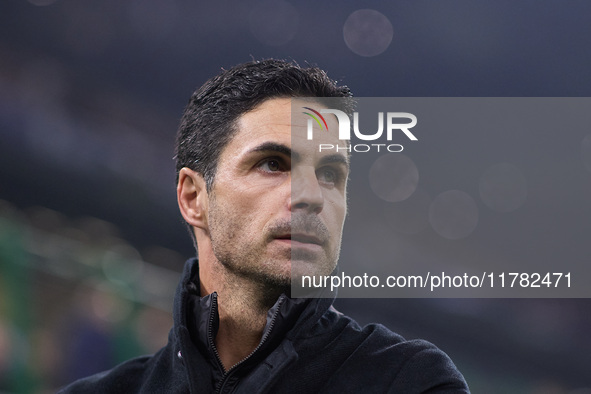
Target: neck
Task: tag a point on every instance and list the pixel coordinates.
(242, 307)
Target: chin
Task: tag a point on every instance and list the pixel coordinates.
(300, 268)
(281, 272)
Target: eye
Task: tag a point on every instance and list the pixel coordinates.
(272, 165)
(328, 175)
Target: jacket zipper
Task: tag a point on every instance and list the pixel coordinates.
(230, 371)
(214, 307)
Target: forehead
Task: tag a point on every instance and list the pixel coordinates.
(283, 121)
(270, 118)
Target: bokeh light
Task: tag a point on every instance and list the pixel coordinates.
(367, 32)
(393, 178)
(453, 214)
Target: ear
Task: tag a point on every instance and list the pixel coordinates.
(192, 198)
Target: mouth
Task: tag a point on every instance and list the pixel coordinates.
(301, 238)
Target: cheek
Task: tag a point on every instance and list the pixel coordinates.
(335, 215)
(263, 183)
(336, 202)
(255, 211)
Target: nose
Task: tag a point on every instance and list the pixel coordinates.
(306, 193)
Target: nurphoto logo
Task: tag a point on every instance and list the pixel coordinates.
(395, 122)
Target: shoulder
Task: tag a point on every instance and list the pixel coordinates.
(375, 357)
(125, 377)
(142, 374)
(416, 366)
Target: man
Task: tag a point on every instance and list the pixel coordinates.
(260, 210)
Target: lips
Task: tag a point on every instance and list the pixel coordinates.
(302, 238)
(301, 230)
(307, 239)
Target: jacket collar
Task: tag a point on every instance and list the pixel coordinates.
(288, 317)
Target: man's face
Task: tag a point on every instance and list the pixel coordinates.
(275, 206)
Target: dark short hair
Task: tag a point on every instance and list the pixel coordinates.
(209, 120)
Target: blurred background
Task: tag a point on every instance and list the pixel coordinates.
(91, 92)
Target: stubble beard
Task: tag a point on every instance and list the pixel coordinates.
(242, 257)
(239, 255)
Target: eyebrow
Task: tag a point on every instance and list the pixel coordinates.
(287, 151)
(335, 158)
(275, 147)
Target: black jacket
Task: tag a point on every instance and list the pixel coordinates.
(307, 347)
